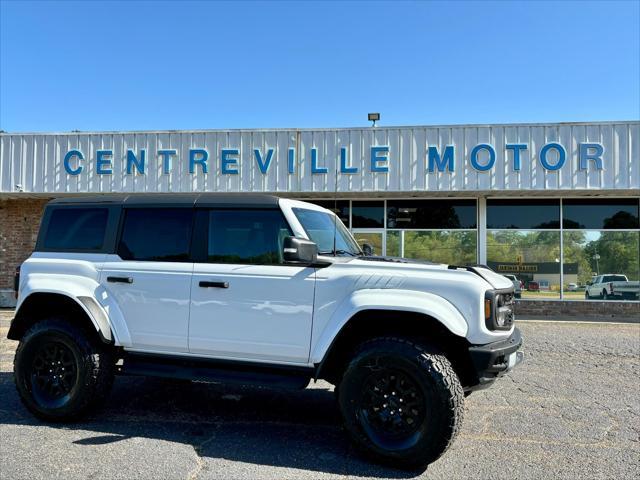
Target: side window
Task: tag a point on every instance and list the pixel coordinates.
(156, 234)
(246, 236)
(76, 229)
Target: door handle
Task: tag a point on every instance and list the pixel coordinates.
(206, 284)
(120, 279)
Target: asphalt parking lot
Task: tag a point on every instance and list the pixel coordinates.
(572, 410)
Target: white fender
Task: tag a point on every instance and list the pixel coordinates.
(89, 294)
(389, 299)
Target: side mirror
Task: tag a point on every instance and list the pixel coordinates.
(589, 284)
(367, 248)
(299, 250)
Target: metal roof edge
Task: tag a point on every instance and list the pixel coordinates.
(330, 129)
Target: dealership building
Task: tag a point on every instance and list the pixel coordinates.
(551, 204)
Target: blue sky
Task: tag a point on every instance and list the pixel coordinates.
(181, 65)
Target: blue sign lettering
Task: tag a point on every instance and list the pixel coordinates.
(291, 161)
(228, 162)
(314, 163)
(198, 156)
(67, 159)
(343, 163)
(591, 151)
(444, 163)
(474, 157)
(562, 154)
(166, 159)
(138, 162)
(103, 164)
(377, 159)
(552, 157)
(263, 165)
(516, 147)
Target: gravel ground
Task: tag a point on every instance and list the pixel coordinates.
(571, 410)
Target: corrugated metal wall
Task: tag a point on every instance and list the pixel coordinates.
(35, 161)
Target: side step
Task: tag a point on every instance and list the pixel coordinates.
(215, 371)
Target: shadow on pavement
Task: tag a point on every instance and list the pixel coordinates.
(291, 429)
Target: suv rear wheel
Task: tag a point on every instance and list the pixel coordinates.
(402, 403)
(60, 371)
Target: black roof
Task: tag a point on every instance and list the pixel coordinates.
(228, 200)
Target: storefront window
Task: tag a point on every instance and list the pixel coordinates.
(442, 246)
(523, 214)
(532, 256)
(367, 214)
(426, 214)
(589, 253)
(600, 214)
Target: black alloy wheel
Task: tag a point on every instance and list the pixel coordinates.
(392, 408)
(54, 374)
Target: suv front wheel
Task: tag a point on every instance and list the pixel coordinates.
(402, 403)
(60, 371)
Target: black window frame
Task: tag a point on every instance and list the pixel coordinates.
(200, 238)
(110, 235)
(120, 230)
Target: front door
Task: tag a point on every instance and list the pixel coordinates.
(246, 304)
(150, 277)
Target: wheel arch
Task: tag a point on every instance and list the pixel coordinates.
(40, 305)
(372, 323)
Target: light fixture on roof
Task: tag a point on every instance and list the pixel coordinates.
(374, 117)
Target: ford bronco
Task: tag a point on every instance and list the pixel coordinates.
(256, 290)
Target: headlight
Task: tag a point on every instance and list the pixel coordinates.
(498, 310)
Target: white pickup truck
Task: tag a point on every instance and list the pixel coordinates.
(260, 290)
(612, 286)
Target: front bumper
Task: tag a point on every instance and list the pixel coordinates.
(493, 360)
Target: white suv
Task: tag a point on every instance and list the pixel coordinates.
(260, 290)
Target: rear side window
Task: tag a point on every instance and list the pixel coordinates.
(156, 234)
(253, 237)
(614, 278)
(76, 229)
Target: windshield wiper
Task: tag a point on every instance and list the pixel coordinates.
(339, 252)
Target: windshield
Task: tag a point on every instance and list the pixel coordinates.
(321, 228)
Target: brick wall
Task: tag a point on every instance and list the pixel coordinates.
(578, 309)
(19, 223)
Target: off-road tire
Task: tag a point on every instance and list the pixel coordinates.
(435, 380)
(93, 375)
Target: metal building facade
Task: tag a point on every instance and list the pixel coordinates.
(358, 161)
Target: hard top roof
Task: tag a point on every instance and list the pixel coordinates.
(228, 200)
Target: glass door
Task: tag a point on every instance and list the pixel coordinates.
(375, 238)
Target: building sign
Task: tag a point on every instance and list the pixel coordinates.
(552, 156)
(408, 159)
(517, 268)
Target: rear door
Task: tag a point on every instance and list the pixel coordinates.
(246, 304)
(150, 276)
